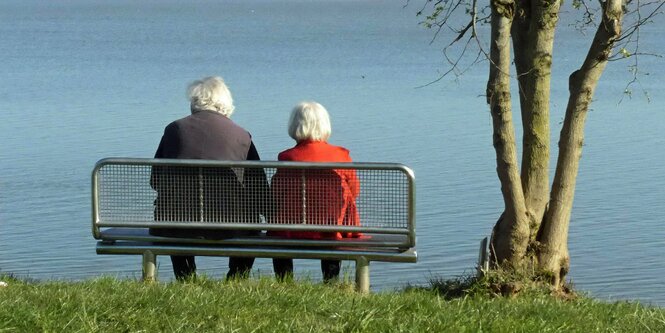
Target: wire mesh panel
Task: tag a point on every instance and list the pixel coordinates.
(384, 198)
(340, 199)
(125, 194)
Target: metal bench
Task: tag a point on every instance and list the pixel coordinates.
(226, 208)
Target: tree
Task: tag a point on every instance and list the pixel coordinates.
(532, 231)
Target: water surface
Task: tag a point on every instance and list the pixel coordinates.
(84, 80)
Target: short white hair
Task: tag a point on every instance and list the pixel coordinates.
(210, 94)
(309, 121)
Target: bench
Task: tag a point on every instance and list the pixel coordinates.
(244, 208)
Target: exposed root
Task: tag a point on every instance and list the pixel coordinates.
(501, 283)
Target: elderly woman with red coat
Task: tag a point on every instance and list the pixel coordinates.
(331, 195)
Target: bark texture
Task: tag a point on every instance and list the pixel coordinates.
(511, 232)
(553, 251)
(533, 41)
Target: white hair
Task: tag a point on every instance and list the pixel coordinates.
(210, 94)
(309, 121)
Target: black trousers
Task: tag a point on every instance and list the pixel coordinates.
(284, 268)
(184, 267)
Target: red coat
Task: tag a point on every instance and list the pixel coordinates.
(330, 195)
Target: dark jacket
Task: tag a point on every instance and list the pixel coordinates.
(187, 194)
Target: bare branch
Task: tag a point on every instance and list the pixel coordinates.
(455, 51)
(631, 39)
(454, 63)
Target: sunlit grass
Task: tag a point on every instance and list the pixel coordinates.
(263, 305)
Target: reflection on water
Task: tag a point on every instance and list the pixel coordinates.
(98, 80)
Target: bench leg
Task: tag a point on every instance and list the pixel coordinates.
(149, 265)
(362, 275)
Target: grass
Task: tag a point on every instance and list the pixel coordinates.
(262, 305)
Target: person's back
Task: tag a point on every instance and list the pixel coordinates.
(308, 197)
(205, 135)
(330, 195)
(202, 135)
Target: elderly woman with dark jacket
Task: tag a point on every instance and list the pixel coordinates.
(334, 198)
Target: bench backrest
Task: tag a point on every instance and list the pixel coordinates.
(372, 198)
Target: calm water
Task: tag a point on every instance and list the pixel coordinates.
(83, 80)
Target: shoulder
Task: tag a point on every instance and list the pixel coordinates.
(231, 125)
(181, 123)
(172, 127)
(341, 149)
(341, 152)
(287, 155)
(219, 123)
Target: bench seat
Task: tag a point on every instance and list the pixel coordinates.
(370, 240)
(341, 253)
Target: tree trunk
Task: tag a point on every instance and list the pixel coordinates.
(533, 41)
(511, 233)
(553, 251)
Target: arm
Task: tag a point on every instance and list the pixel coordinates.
(167, 146)
(352, 217)
(352, 182)
(351, 178)
(256, 183)
(253, 154)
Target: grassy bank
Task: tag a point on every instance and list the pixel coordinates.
(111, 305)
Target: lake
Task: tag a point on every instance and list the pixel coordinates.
(84, 80)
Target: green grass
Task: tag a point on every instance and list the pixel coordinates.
(262, 305)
